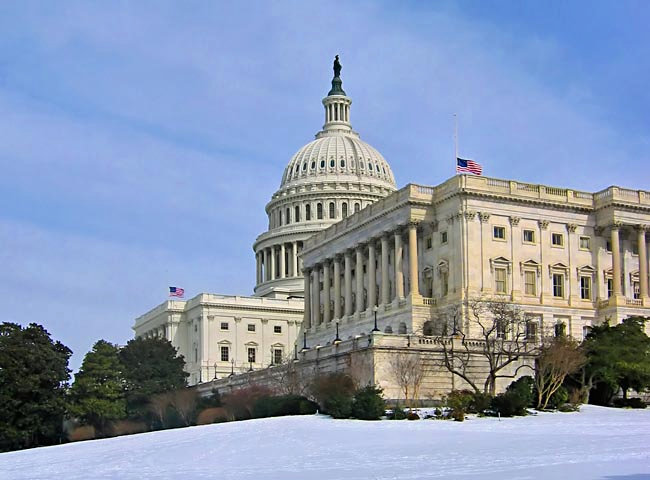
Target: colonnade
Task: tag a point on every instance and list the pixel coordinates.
(278, 261)
(355, 295)
(616, 260)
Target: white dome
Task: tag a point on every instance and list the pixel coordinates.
(340, 157)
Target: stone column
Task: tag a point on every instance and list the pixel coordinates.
(359, 269)
(348, 284)
(372, 276)
(399, 275)
(385, 286)
(326, 292)
(272, 250)
(337, 287)
(282, 265)
(266, 264)
(643, 264)
(616, 262)
(413, 259)
(294, 263)
(258, 271)
(308, 302)
(316, 297)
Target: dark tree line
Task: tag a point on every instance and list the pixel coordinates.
(112, 384)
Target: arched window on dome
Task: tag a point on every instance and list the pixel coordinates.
(287, 217)
(362, 165)
(313, 165)
(296, 214)
(332, 163)
(307, 212)
(304, 166)
(342, 163)
(322, 164)
(295, 170)
(344, 209)
(319, 211)
(332, 210)
(357, 207)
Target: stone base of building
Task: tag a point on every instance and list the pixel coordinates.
(374, 359)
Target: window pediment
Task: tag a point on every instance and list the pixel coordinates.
(500, 262)
(530, 265)
(558, 268)
(585, 270)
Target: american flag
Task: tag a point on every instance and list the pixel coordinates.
(176, 292)
(468, 166)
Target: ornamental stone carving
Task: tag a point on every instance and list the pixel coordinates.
(571, 227)
(514, 221)
(483, 216)
(470, 215)
(543, 224)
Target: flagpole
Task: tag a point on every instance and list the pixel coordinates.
(455, 143)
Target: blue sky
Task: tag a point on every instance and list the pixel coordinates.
(140, 141)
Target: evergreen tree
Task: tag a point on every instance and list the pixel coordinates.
(97, 395)
(150, 366)
(618, 357)
(33, 381)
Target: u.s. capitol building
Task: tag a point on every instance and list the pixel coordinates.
(348, 257)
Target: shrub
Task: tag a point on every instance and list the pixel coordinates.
(368, 403)
(460, 400)
(85, 432)
(569, 407)
(268, 406)
(239, 403)
(412, 416)
(397, 413)
(458, 415)
(334, 392)
(629, 403)
(480, 402)
(212, 415)
(517, 397)
(126, 427)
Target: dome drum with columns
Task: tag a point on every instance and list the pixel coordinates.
(334, 176)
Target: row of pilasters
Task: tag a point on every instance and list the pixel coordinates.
(357, 258)
(271, 268)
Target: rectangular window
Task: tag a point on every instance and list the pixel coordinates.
(500, 278)
(499, 233)
(636, 289)
(443, 237)
(558, 285)
(635, 248)
(560, 329)
(530, 283)
(429, 243)
(610, 287)
(224, 325)
(529, 236)
(251, 354)
(531, 331)
(608, 245)
(251, 327)
(585, 243)
(277, 356)
(501, 328)
(557, 239)
(225, 354)
(585, 288)
(277, 329)
(444, 283)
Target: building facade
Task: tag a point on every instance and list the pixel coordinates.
(569, 259)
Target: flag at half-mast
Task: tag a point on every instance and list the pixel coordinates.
(468, 166)
(176, 292)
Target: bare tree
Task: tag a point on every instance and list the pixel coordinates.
(409, 371)
(158, 405)
(558, 358)
(497, 331)
(184, 402)
(290, 377)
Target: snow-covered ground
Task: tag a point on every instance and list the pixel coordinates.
(596, 443)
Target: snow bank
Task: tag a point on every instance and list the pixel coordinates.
(596, 443)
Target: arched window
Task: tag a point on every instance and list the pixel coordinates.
(322, 164)
(332, 163)
(313, 165)
(319, 211)
(287, 217)
(279, 218)
(357, 207)
(342, 163)
(296, 214)
(304, 166)
(344, 209)
(402, 328)
(307, 212)
(332, 212)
